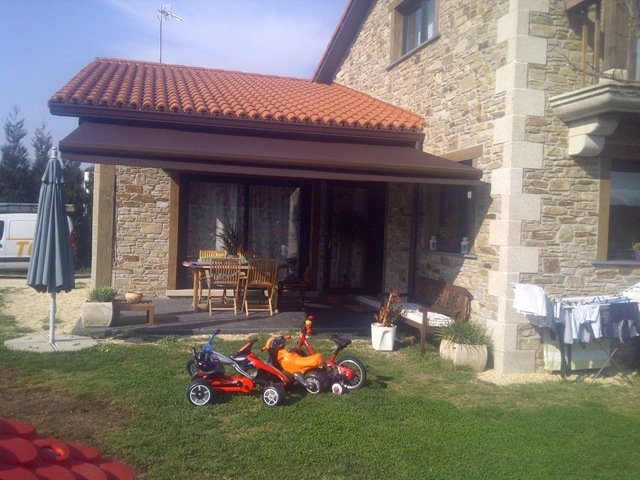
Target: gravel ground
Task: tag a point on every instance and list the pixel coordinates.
(31, 309)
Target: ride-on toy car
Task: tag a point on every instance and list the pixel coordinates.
(210, 376)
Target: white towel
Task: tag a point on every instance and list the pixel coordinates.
(530, 299)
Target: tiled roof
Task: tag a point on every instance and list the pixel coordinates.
(155, 87)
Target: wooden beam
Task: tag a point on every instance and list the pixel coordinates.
(104, 181)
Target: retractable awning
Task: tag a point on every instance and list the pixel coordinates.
(206, 152)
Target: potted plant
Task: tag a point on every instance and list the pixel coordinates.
(636, 251)
(232, 238)
(465, 343)
(449, 235)
(383, 330)
(98, 310)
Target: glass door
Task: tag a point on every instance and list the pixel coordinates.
(355, 224)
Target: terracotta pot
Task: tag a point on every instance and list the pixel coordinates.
(133, 297)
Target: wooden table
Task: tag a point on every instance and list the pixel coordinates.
(199, 270)
(144, 306)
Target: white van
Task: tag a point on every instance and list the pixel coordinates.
(16, 234)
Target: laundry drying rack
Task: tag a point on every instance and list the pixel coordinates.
(584, 320)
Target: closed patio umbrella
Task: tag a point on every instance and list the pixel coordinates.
(51, 265)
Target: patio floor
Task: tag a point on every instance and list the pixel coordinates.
(175, 316)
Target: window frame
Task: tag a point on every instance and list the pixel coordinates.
(604, 214)
(399, 10)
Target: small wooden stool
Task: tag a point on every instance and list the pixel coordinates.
(138, 307)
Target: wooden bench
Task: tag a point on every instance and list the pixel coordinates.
(137, 307)
(434, 304)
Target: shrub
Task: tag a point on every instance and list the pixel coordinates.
(103, 294)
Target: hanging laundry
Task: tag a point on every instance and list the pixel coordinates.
(530, 299)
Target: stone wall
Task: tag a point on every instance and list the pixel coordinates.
(141, 250)
(485, 81)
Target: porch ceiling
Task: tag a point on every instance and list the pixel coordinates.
(260, 156)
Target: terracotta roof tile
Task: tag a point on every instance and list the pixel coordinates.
(155, 87)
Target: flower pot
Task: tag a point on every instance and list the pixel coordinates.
(383, 338)
(133, 297)
(474, 356)
(97, 314)
(636, 255)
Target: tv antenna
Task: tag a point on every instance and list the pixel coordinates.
(164, 13)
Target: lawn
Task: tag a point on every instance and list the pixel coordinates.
(416, 418)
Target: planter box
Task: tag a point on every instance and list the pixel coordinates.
(448, 246)
(474, 356)
(383, 338)
(97, 314)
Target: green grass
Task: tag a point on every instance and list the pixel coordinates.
(416, 418)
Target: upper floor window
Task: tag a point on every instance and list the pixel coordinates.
(610, 38)
(624, 209)
(417, 24)
(414, 23)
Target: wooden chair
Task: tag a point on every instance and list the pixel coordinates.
(262, 276)
(250, 255)
(224, 274)
(295, 285)
(206, 256)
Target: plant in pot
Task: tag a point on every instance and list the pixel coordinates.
(636, 251)
(98, 309)
(449, 235)
(232, 238)
(465, 344)
(383, 330)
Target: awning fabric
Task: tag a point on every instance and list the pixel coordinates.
(195, 151)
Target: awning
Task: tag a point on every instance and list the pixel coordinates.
(205, 152)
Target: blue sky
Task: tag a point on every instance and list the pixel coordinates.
(44, 43)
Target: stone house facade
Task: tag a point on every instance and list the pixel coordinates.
(498, 86)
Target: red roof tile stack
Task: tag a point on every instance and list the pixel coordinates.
(25, 455)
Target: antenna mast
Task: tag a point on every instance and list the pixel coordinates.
(164, 13)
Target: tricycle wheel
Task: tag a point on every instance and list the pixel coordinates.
(316, 382)
(200, 392)
(359, 372)
(274, 395)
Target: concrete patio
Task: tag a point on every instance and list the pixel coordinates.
(176, 316)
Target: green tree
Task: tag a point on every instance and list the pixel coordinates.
(15, 168)
(42, 145)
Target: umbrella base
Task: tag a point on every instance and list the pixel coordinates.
(40, 343)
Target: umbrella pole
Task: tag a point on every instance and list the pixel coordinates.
(52, 319)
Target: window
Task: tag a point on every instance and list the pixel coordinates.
(610, 37)
(417, 25)
(413, 25)
(624, 209)
(269, 215)
(446, 212)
